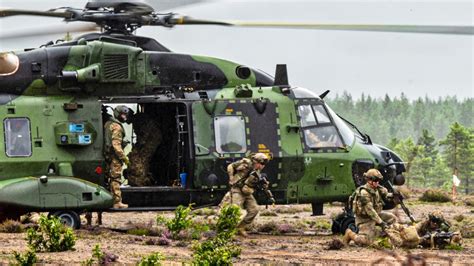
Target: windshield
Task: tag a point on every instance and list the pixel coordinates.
(346, 132)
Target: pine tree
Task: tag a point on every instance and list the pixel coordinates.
(459, 152)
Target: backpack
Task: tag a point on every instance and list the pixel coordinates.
(354, 199)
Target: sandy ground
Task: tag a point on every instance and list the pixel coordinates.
(308, 246)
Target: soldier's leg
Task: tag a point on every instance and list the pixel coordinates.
(251, 206)
(366, 234)
(115, 181)
(388, 217)
(99, 218)
(225, 200)
(89, 218)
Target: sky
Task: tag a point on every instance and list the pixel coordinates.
(372, 63)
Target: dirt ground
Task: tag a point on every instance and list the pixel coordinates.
(309, 245)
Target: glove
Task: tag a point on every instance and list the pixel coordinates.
(383, 225)
(126, 161)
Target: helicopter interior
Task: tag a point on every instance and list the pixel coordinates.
(158, 144)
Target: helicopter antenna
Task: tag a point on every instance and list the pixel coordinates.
(322, 95)
(281, 76)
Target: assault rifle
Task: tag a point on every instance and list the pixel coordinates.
(399, 198)
(439, 239)
(262, 184)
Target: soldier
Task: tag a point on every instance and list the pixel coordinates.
(113, 151)
(244, 176)
(368, 204)
(435, 231)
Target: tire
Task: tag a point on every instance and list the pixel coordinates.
(68, 218)
(349, 222)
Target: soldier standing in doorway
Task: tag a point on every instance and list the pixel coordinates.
(113, 151)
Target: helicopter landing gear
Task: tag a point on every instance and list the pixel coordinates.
(317, 208)
(68, 218)
(343, 221)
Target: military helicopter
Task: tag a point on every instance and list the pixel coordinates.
(210, 112)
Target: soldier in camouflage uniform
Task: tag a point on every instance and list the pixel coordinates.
(243, 180)
(368, 204)
(435, 224)
(113, 151)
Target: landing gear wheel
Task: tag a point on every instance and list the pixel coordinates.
(68, 218)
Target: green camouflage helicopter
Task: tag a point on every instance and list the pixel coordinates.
(210, 112)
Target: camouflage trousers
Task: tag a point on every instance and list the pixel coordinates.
(367, 228)
(247, 202)
(403, 236)
(114, 175)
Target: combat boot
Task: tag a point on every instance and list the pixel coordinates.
(348, 236)
(89, 218)
(241, 231)
(120, 205)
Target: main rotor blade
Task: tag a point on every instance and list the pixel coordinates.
(16, 12)
(60, 29)
(463, 30)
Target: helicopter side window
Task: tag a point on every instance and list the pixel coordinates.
(17, 137)
(307, 116)
(230, 134)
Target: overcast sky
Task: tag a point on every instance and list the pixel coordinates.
(358, 62)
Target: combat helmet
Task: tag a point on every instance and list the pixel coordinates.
(436, 217)
(119, 110)
(373, 174)
(261, 158)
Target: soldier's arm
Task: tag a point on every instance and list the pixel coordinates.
(367, 206)
(117, 135)
(384, 193)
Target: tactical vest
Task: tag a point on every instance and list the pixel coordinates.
(108, 134)
(355, 203)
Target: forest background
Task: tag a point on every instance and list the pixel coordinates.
(434, 137)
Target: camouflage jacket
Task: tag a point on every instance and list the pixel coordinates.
(114, 135)
(368, 202)
(239, 173)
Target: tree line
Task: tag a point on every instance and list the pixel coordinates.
(434, 137)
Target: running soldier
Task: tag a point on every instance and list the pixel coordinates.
(244, 178)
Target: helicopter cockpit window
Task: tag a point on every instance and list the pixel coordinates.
(322, 137)
(230, 134)
(17, 137)
(307, 116)
(321, 114)
(9, 64)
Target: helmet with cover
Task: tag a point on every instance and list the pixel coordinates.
(121, 110)
(261, 158)
(373, 174)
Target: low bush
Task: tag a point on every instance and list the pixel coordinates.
(26, 259)
(99, 257)
(50, 236)
(182, 220)
(152, 259)
(435, 195)
(220, 250)
(11, 226)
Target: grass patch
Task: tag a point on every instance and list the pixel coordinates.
(205, 212)
(12, 226)
(435, 195)
(268, 213)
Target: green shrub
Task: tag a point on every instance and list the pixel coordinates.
(434, 195)
(11, 226)
(219, 250)
(50, 236)
(99, 257)
(152, 259)
(26, 259)
(182, 220)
